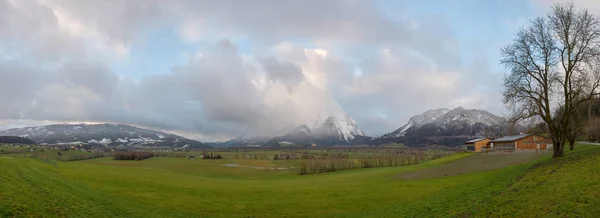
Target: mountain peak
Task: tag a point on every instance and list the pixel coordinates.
(456, 124)
(302, 130)
(331, 126)
(341, 126)
(429, 116)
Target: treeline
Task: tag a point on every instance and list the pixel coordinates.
(211, 156)
(16, 140)
(132, 155)
(584, 123)
(65, 158)
(324, 165)
(61, 157)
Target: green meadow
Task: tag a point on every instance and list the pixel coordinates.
(459, 185)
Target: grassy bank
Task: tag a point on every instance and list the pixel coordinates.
(176, 187)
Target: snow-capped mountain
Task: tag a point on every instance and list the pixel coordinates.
(337, 129)
(332, 126)
(448, 127)
(106, 134)
(302, 130)
(430, 116)
(339, 126)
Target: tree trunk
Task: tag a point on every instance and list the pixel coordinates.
(589, 121)
(562, 150)
(557, 147)
(572, 143)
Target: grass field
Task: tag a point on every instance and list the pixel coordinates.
(460, 185)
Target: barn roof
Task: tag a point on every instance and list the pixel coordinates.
(510, 138)
(475, 140)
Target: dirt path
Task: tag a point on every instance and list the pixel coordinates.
(474, 163)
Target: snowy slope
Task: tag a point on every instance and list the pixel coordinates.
(430, 116)
(339, 126)
(107, 134)
(335, 124)
(244, 141)
(332, 126)
(444, 126)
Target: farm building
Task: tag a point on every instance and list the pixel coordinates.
(521, 142)
(477, 144)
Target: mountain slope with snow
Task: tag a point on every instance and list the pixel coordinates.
(430, 116)
(106, 134)
(332, 126)
(448, 127)
(337, 129)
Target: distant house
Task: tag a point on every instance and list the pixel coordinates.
(477, 144)
(521, 142)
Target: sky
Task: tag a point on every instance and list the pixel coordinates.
(212, 70)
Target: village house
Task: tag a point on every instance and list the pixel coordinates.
(520, 142)
(477, 145)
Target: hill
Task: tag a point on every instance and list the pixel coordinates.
(16, 140)
(105, 134)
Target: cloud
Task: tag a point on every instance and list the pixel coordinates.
(272, 21)
(283, 71)
(297, 59)
(545, 5)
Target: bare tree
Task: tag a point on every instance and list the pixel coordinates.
(576, 125)
(553, 64)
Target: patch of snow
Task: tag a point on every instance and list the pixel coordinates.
(105, 141)
(160, 136)
(69, 143)
(406, 128)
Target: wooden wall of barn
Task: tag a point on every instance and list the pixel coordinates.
(481, 144)
(531, 142)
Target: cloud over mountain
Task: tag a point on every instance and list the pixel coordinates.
(234, 68)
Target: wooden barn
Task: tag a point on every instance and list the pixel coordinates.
(477, 145)
(521, 142)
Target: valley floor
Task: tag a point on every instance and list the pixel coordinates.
(461, 185)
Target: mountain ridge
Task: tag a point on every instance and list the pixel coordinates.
(108, 134)
(338, 128)
(448, 127)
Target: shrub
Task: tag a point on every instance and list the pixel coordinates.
(132, 155)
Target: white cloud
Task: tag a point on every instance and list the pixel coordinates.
(56, 58)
